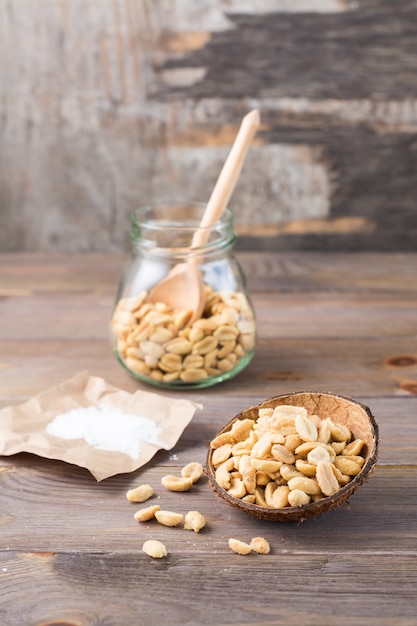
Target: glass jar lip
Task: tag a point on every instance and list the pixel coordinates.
(181, 219)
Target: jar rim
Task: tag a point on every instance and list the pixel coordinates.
(181, 219)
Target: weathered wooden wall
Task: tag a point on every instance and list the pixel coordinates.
(106, 104)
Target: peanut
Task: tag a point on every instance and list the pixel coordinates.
(155, 549)
(192, 470)
(140, 494)
(194, 521)
(161, 344)
(169, 518)
(285, 457)
(260, 545)
(176, 483)
(240, 547)
(143, 515)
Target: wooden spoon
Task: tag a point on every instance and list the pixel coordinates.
(183, 288)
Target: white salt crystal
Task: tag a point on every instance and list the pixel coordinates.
(106, 428)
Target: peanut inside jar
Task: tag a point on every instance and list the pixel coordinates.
(157, 342)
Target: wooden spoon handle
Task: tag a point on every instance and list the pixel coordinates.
(227, 180)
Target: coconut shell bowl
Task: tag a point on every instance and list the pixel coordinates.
(293, 457)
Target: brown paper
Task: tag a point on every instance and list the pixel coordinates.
(23, 428)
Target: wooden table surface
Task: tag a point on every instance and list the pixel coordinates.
(70, 550)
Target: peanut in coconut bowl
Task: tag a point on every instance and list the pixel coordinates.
(294, 457)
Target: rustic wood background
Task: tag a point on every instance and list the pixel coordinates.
(107, 104)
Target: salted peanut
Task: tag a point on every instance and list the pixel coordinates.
(155, 549)
(226, 333)
(306, 428)
(205, 324)
(246, 327)
(156, 375)
(193, 361)
(280, 497)
(266, 465)
(324, 432)
(137, 365)
(179, 345)
(161, 335)
(227, 364)
(297, 497)
(144, 515)
(308, 485)
(169, 377)
(354, 448)
(284, 425)
(195, 334)
(237, 488)
(266, 411)
(292, 441)
(339, 432)
(221, 454)
(241, 429)
(306, 468)
(246, 446)
(222, 439)
(360, 460)
(176, 483)
(193, 375)
(243, 462)
(289, 411)
(269, 492)
(338, 446)
(249, 479)
(262, 478)
(347, 466)
(226, 349)
(222, 473)
(140, 494)
(169, 518)
(152, 348)
(281, 453)
(262, 448)
(192, 470)
(289, 471)
(194, 521)
(205, 345)
(240, 547)
(210, 359)
(247, 342)
(260, 497)
(306, 447)
(228, 315)
(342, 479)
(260, 545)
(170, 362)
(318, 454)
(326, 479)
(181, 318)
(250, 499)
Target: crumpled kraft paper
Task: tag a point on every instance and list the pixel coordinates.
(23, 428)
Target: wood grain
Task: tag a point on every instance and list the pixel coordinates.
(70, 550)
(107, 105)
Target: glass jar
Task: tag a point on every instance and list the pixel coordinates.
(161, 345)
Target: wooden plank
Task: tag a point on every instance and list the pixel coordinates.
(91, 589)
(101, 518)
(93, 126)
(269, 271)
(353, 366)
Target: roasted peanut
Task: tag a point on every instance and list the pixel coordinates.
(155, 549)
(169, 518)
(240, 547)
(194, 521)
(140, 494)
(285, 457)
(143, 515)
(176, 483)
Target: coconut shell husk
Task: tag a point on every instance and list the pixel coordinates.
(342, 410)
